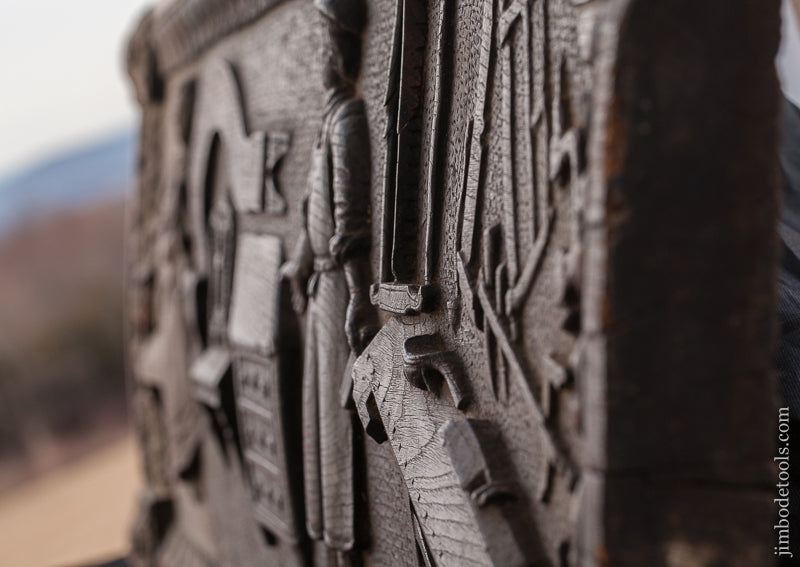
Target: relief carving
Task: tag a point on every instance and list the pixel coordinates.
(411, 419)
(330, 274)
(375, 314)
(253, 334)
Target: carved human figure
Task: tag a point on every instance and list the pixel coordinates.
(332, 258)
(223, 234)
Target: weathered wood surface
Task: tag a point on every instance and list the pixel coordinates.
(454, 283)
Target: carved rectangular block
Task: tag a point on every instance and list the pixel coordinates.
(207, 373)
(256, 286)
(262, 435)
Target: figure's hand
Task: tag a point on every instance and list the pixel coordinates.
(360, 320)
(290, 271)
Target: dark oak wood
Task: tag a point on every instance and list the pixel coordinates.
(455, 283)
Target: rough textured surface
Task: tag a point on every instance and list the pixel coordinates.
(690, 249)
(454, 283)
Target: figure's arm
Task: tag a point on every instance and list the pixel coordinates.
(350, 245)
(298, 268)
(302, 257)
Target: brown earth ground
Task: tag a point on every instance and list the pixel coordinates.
(76, 514)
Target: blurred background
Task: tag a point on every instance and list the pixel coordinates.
(69, 471)
(68, 468)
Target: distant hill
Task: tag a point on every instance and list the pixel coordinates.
(61, 339)
(103, 168)
(61, 358)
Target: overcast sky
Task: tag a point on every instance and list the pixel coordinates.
(62, 79)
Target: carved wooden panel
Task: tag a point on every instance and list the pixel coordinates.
(466, 282)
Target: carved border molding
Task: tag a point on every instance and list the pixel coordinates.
(182, 30)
